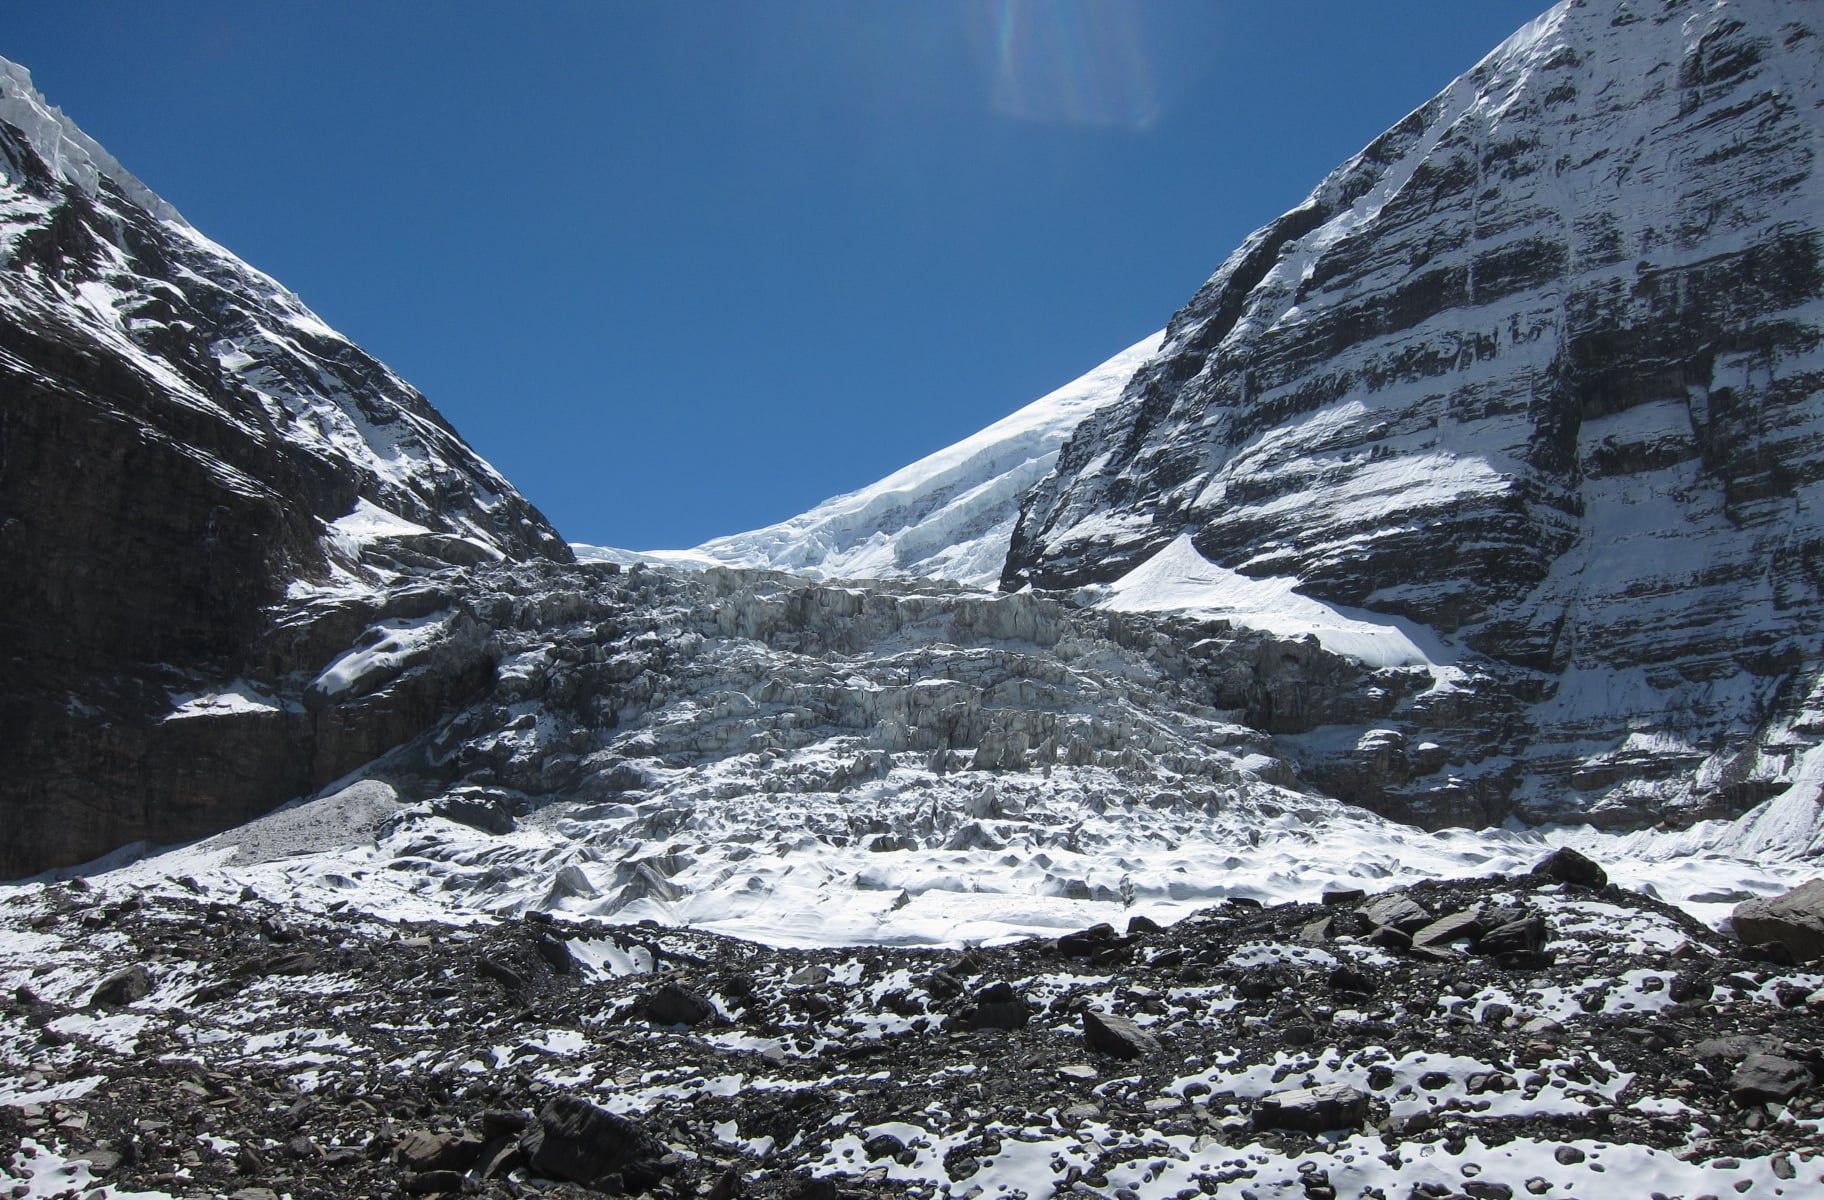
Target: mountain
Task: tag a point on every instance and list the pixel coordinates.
(183, 443)
(614, 877)
(947, 516)
(1539, 371)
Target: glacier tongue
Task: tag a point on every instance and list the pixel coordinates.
(812, 763)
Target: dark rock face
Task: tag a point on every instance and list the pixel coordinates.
(178, 439)
(1537, 369)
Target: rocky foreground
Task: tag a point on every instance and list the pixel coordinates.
(1520, 1034)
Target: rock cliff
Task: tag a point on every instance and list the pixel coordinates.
(1539, 370)
(181, 442)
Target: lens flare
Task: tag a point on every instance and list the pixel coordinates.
(1080, 63)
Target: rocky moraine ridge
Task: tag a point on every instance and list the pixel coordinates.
(1518, 1035)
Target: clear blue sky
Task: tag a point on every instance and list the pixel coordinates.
(685, 268)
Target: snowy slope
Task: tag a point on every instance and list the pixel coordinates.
(947, 516)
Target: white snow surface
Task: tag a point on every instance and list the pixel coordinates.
(1178, 578)
(73, 156)
(949, 515)
(1050, 856)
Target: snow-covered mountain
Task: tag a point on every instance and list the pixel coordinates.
(1481, 484)
(1525, 397)
(949, 515)
(183, 441)
(1540, 372)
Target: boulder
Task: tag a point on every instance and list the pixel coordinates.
(1795, 920)
(576, 1141)
(1525, 936)
(123, 987)
(1116, 1037)
(555, 951)
(435, 1183)
(674, 1004)
(1086, 942)
(1765, 1078)
(996, 1006)
(1396, 910)
(1445, 930)
(1568, 866)
(1719, 1055)
(422, 1150)
(1312, 1110)
(477, 810)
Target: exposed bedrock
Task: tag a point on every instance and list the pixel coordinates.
(1541, 369)
(179, 439)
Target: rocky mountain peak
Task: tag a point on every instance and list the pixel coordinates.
(183, 443)
(1538, 370)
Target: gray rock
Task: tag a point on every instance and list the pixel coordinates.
(1722, 1054)
(432, 1183)
(476, 810)
(1794, 919)
(674, 1004)
(1312, 1110)
(1525, 936)
(1117, 1037)
(423, 1150)
(123, 987)
(1396, 910)
(579, 1142)
(1764, 1078)
(1568, 866)
(1444, 930)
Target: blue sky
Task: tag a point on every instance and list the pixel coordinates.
(682, 269)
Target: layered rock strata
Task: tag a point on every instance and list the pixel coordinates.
(1540, 369)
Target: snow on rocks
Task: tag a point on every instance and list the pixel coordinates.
(466, 1059)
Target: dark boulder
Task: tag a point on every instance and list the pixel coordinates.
(1524, 936)
(996, 1006)
(1568, 866)
(123, 987)
(576, 1141)
(1116, 1037)
(674, 1004)
(1086, 942)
